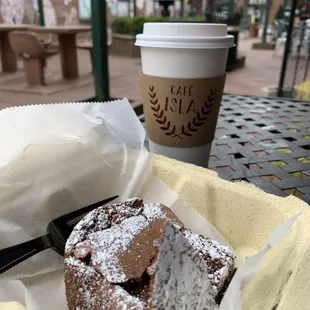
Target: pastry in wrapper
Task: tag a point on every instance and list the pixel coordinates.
(133, 256)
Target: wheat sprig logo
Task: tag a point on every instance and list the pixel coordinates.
(186, 130)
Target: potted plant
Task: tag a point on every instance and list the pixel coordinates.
(253, 27)
(124, 34)
(303, 91)
(125, 30)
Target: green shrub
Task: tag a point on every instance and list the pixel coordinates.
(197, 19)
(137, 24)
(139, 21)
(303, 91)
(122, 25)
(241, 10)
(280, 12)
(134, 25)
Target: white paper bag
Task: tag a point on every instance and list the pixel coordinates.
(248, 268)
(57, 158)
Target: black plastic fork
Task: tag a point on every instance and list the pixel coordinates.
(57, 233)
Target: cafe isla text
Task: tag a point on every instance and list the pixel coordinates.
(180, 100)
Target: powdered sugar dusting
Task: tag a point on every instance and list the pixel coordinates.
(158, 211)
(153, 211)
(219, 258)
(208, 246)
(107, 244)
(124, 300)
(121, 299)
(84, 270)
(102, 218)
(79, 231)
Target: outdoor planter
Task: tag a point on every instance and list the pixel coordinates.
(232, 54)
(125, 30)
(272, 91)
(233, 27)
(253, 30)
(303, 91)
(124, 45)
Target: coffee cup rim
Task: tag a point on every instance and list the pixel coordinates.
(185, 35)
(155, 41)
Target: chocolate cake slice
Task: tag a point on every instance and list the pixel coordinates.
(117, 255)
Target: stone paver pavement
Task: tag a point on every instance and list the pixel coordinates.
(261, 69)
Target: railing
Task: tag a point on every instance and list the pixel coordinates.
(295, 63)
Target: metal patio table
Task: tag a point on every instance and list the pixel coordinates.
(264, 141)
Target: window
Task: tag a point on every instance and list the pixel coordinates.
(85, 10)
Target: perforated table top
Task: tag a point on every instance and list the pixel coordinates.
(264, 141)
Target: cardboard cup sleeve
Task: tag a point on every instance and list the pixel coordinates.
(181, 112)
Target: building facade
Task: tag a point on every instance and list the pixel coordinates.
(59, 12)
(251, 5)
(56, 12)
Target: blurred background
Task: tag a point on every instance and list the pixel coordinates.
(55, 51)
(272, 39)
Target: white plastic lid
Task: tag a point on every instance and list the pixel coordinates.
(185, 35)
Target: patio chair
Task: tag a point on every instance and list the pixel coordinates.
(281, 35)
(33, 53)
(298, 40)
(280, 42)
(88, 44)
(45, 39)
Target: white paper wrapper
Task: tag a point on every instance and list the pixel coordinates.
(248, 268)
(57, 158)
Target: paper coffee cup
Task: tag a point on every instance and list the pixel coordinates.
(182, 82)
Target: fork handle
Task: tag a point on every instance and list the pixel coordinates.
(14, 255)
